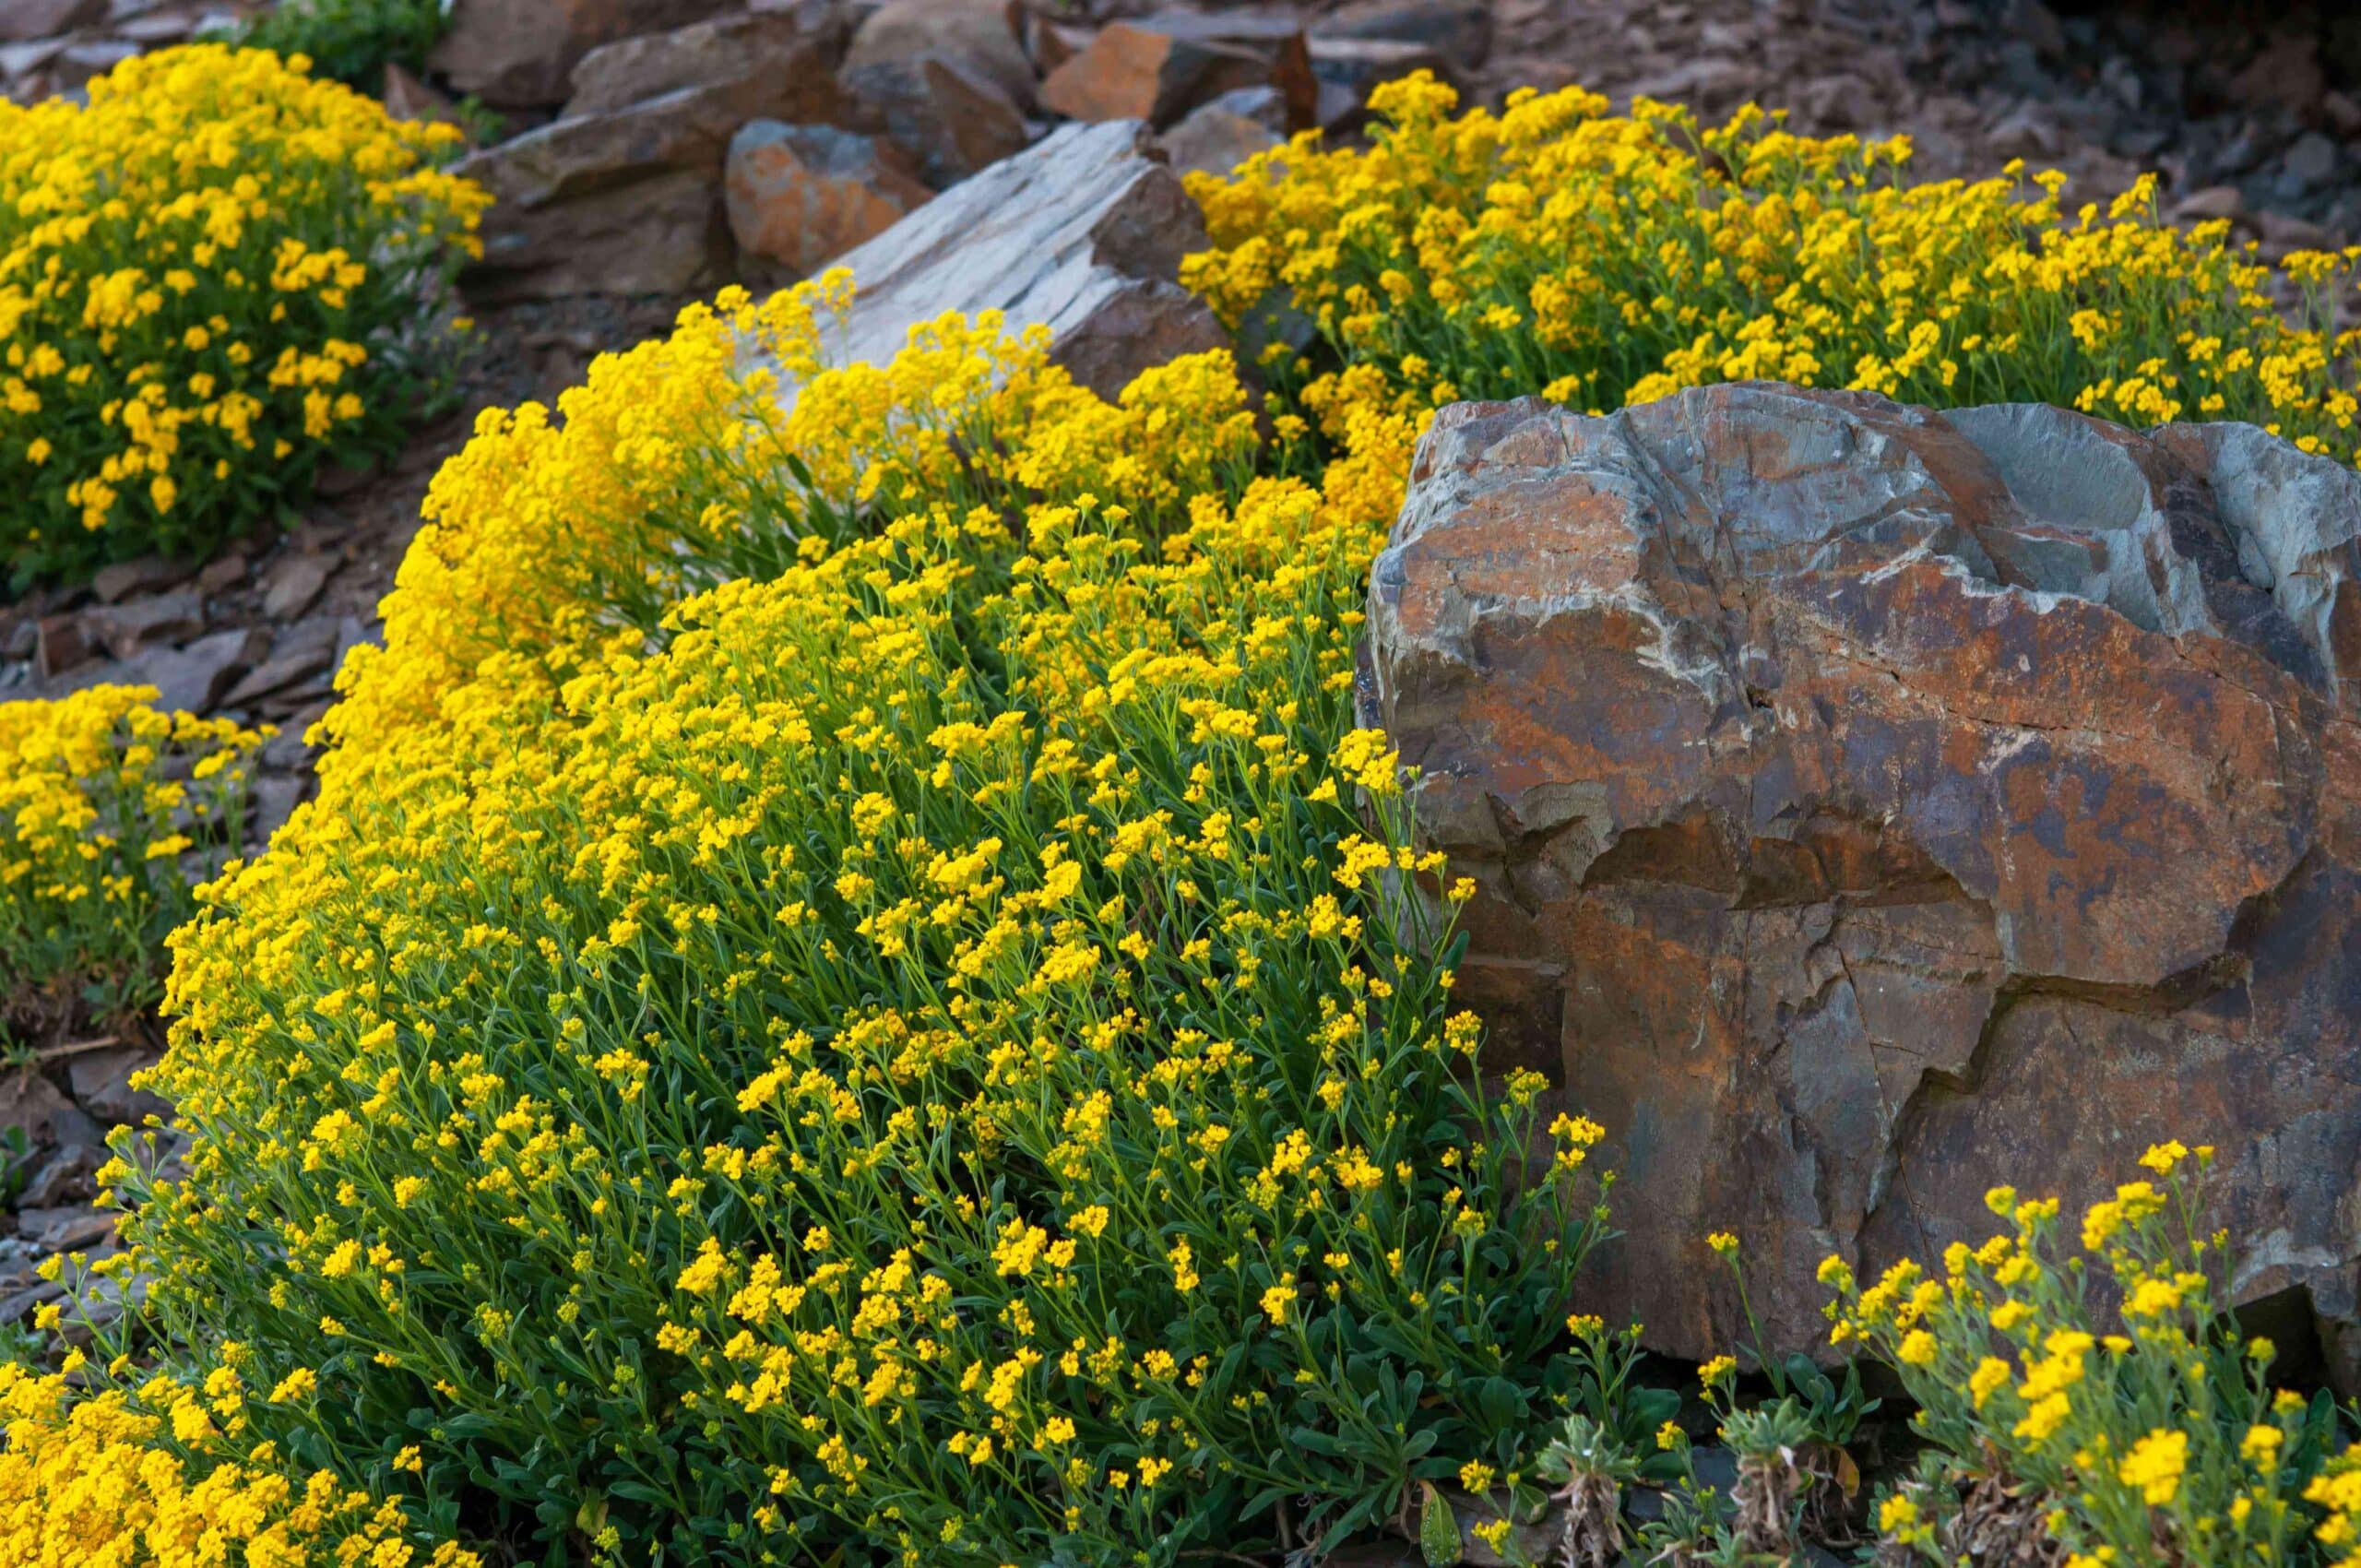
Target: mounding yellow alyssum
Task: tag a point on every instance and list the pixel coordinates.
(212, 281)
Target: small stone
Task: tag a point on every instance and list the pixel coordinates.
(286, 751)
(2034, 22)
(305, 650)
(135, 623)
(23, 640)
(82, 61)
(292, 583)
(516, 56)
(1458, 31)
(1357, 64)
(350, 633)
(190, 679)
(273, 800)
(2285, 75)
(405, 97)
(976, 32)
(1159, 69)
(102, 1083)
(18, 61)
(28, 1101)
(72, 1228)
(223, 574)
(71, 1126)
(1051, 43)
(2213, 201)
(2283, 232)
(804, 195)
(21, 20)
(64, 1178)
(1214, 140)
(150, 574)
(2026, 131)
(18, 1305)
(785, 46)
(2311, 162)
(945, 110)
(60, 645)
(157, 29)
(2342, 113)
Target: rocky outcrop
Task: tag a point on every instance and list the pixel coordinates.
(623, 193)
(1870, 806)
(1082, 233)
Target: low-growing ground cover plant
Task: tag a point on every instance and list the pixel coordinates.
(1600, 260)
(2051, 1429)
(216, 277)
(103, 1482)
(109, 811)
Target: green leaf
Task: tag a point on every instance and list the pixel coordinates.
(1439, 1540)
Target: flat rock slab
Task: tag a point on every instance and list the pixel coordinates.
(1082, 233)
(1872, 807)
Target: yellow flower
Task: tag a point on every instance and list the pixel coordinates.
(2154, 1466)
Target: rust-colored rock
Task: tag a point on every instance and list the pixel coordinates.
(1870, 806)
(1159, 69)
(803, 195)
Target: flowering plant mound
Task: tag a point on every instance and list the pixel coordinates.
(851, 990)
(936, 1052)
(1600, 261)
(105, 804)
(2161, 1444)
(112, 1482)
(212, 280)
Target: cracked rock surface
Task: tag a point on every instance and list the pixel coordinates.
(1871, 805)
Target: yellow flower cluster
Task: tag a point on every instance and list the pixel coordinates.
(2161, 1443)
(117, 1481)
(929, 1045)
(105, 804)
(211, 277)
(1599, 261)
